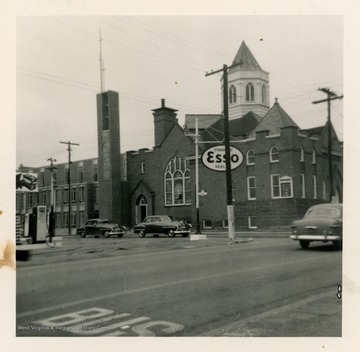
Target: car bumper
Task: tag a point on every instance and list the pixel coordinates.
(182, 232)
(316, 237)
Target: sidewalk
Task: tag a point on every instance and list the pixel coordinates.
(314, 316)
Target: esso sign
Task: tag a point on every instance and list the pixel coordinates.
(214, 158)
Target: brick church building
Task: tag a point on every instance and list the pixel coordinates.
(285, 169)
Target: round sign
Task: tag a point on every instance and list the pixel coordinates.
(214, 158)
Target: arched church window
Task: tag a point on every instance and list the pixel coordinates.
(250, 92)
(232, 94)
(177, 182)
(263, 93)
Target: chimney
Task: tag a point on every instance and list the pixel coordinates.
(164, 120)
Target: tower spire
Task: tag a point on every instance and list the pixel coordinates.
(102, 67)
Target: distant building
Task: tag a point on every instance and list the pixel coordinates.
(285, 169)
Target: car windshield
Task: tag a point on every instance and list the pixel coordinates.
(322, 211)
(105, 222)
(172, 218)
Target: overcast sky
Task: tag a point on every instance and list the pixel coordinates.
(154, 57)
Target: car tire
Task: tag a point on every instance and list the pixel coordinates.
(82, 234)
(337, 244)
(155, 235)
(120, 235)
(185, 235)
(304, 244)
(141, 233)
(106, 234)
(171, 233)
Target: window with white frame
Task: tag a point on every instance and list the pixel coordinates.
(302, 185)
(73, 195)
(95, 170)
(313, 158)
(43, 197)
(73, 218)
(249, 92)
(263, 93)
(177, 182)
(65, 195)
(251, 187)
(207, 224)
(81, 217)
(301, 154)
(250, 158)
(81, 172)
(58, 196)
(281, 187)
(232, 94)
(314, 186)
(67, 174)
(252, 222)
(42, 177)
(81, 194)
(65, 219)
(274, 155)
(143, 167)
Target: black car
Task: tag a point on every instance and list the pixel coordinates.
(322, 222)
(162, 224)
(100, 227)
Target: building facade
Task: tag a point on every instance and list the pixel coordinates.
(285, 169)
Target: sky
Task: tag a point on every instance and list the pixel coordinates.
(149, 58)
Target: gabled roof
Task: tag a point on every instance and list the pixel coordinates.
(239, 128)
(322, 132)
(274, 120)
(204, 121)
(245, 56)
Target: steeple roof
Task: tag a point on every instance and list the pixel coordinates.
(274, 120)
(245, 56)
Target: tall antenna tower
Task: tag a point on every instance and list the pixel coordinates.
(102, 67)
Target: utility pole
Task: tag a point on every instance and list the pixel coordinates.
(330, 96)
(229, 191)
(52, 167)
(69, 181)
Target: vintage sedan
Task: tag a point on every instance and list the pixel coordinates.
(162, 224)
(100, 227)
(322, 222)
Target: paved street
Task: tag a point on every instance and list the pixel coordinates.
(176, 287)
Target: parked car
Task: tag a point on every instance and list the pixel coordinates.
(157, 224)
(100, 227)
(322, 222)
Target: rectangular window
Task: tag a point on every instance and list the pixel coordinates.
(43, 197)
(252, 222)
(66, 195)
(207, 224)
(324, 191)
(57, 219)
(251, 187)
(65, 219)
(30, 199)
(225, 223)
(143, 167)
(96, 195)
(95, 171)
(42, 179)
(67, 174)
(81, 194)
(81, 217)
(73, 219)
(282, 187)
(73, 195)
(275, 186)
(314, 187)
(302, 185)
(81, 173)
(58, 196)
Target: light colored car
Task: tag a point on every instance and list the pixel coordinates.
(158, 224)
(100, 227)
(322, 222)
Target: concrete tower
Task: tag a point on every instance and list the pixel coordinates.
(109, 159)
